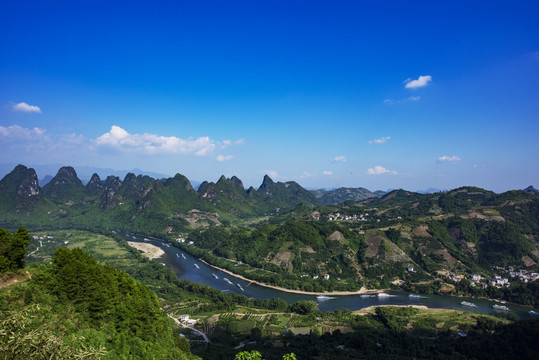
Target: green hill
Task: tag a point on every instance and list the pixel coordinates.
(74, 307)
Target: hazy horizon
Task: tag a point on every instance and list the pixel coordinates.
(382, 96)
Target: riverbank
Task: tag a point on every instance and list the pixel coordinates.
(372, 309)
(148, 250)
(301, 292)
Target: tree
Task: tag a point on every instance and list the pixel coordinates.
(13, 249)
(246, 355)
(304, 307)
(255, 355)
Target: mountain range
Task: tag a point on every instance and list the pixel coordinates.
(286, 231)
(139, 201)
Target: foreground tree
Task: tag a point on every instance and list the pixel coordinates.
(13, 249)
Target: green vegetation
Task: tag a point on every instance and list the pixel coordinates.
(382, 332)
(77, 308)
(13, 249)
(279, 235)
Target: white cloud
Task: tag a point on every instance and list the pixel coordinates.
(154, 144)
(15, 132)
(36, 145)
(24, 107)
(421, 81)
(382, 140)
(341, 158)
(379, 170)
(453, 159)
(401, 101)
(227, 143)
(306, 175)
(272, 174)
(224, 157)
(327, 173)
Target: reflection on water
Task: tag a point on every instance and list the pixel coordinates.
(187, 267)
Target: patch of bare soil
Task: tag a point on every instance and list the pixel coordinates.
(307, 249)
(396, 255)
(282, 258)
(373, 245)
(405, 235)
(528, 261)
(198, 219)
(476, 215)
(447, 256)
(10, 279)
(337, 235)
(447, 288)
(421, 231)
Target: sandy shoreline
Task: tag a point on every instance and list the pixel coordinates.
(334, 293)
(149, 250)
(372, 308)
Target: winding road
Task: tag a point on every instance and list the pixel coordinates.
(204, 336)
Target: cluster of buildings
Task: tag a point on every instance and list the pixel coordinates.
(182, 240)
(44, 237)
(498, 280)
(360, 217)
(184, 319)
(342, 217)
(326, 276)
(523, 275)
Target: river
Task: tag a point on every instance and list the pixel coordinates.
(187, 267)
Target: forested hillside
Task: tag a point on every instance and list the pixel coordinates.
(281, 234)
(74, 307)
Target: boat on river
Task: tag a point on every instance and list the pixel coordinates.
(466, 303)
(500, 307)
(531, 312)
(146, 239)
(215, 276)
(196, 265)
(414, 296)
(183, 256)
(177, 255)
(227, 281)
(240, 287)
(383, 295)
(322, 297)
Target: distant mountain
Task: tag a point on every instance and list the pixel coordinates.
(44, 181)
(464, 230)
(19, 191)
(340, 195)
(65, 186)
(532, 190)
(142, 202)
(430, 191)
(84, 172)
(402, 236)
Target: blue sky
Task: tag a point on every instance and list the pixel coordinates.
(387, 94)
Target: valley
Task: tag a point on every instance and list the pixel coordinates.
(282, 247)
